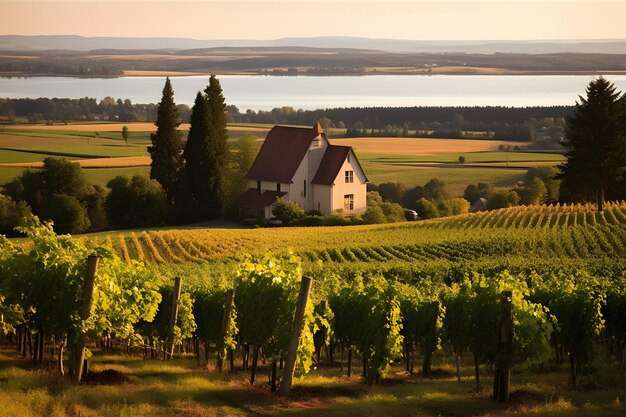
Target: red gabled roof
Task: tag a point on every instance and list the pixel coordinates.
(281, 153)
(332, 161)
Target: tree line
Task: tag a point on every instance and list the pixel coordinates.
(502, 123)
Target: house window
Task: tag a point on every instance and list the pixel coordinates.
(258, 185)
(304, 188)
(278, 187)
(348, 202)
(349, 176)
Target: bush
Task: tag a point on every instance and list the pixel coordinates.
(374, 215)
(68, 215)
(311, 221)
(502, 199)
(12, 214)
(473, 192)
(287, 211)
(135, 202)
(426, 209)
(457, 206)
(94, 202)
(393, 212)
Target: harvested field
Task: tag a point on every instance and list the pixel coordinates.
(25, 141)
(123, 161)
(116, 127)
(421, 146)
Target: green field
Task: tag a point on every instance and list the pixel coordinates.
(493, 167)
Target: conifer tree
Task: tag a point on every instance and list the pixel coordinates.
(197, 156)
(166, 149)
(216, 156)
(596, 138)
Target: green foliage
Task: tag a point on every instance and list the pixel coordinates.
(374, 215)
(185, 323)
(45, 278)
(240, 158)
(595, 136)
(287, 211)
(166, 148)
(125, 134)
(208, 311)
(576, 301)
(502, 199)
(12, 215)
(426, 209)
(367, 316)
(393, 212)
(422, 319)
(68, 215)
(456, 206)
(135, 202)
(473, 192)
(534, 192)
(216, 157)
(60, 192)
(267, 291)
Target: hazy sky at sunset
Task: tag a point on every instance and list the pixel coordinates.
(424, 20)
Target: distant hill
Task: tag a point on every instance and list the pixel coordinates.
(81, 43)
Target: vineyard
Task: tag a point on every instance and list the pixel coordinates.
(555, 231)
(533, 301)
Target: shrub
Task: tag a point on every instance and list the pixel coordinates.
(374, 215)
(426, 209)
(12, 214)
(457, 206)
(287, 211)
(135, 202)
(502, 199)
(393, 212)
(68, 215)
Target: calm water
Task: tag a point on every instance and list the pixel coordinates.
(266, 92)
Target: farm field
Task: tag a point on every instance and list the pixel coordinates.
(413, 161)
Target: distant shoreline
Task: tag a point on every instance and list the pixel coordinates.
(442, 71)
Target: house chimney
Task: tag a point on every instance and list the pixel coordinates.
(317, 129)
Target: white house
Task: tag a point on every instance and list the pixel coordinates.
(299, 164)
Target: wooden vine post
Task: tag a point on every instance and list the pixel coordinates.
(298, 322)
(228, 308)
(85, 311)
(502, 374)
(173, 316)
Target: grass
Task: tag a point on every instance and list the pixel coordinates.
(407, 160)
(101, 176)
(456, 179)
(181, 387)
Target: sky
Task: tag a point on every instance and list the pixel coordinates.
(408, 19)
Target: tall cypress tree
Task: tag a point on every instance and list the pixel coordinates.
(166, 149)
(196, 154)
(216, 155)
(596, 138)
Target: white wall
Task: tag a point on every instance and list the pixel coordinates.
(358, 187)
(323, 198)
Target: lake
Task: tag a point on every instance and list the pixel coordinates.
(266, 92)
